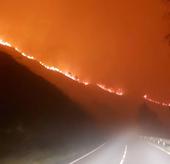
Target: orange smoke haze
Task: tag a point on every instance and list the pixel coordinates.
(117, 43)
(117, 91)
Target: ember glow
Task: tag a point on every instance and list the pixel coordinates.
(155, 101)
(118, 92)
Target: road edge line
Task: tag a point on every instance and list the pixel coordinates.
(88, 154)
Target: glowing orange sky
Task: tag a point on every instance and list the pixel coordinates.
(120, 43)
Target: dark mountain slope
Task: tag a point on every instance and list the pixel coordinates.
(34, 113)
(109, 110)
(106, 108)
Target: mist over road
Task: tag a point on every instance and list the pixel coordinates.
(125, 150)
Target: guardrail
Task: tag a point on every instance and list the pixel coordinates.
(161, 142)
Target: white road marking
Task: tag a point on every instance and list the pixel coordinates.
(160, 148)
(86, 155)
(124, 155)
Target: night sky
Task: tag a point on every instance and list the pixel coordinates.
(119, 43)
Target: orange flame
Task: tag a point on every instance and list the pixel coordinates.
(111, 90)
(155, 101)
(67, 74)
(52, 68)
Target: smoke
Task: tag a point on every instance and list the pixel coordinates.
(119, 43)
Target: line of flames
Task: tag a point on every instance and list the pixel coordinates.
(118, 92)
(155, 101)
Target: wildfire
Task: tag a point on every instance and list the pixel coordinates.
(155, 101)
(71, 76)
(111, 90)
(67, 74)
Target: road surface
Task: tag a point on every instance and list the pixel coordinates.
(125, 150)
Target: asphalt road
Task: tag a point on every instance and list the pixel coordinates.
(125, 150)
